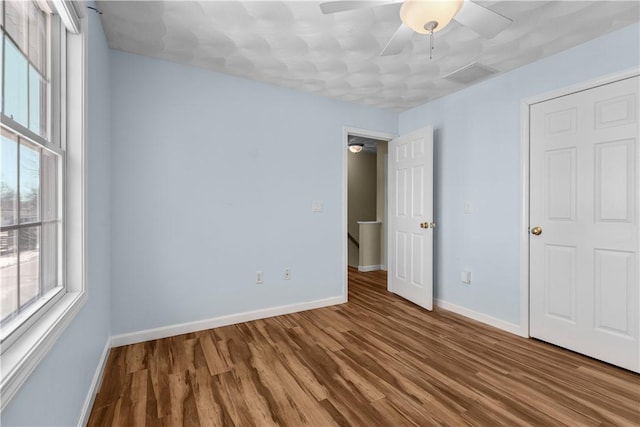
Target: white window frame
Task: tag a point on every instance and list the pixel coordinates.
(20, 357)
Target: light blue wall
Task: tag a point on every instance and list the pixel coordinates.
(213, 179)
(477, 158)
(55, 392)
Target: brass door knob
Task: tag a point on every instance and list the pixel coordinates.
(424, 225)
(536, 231)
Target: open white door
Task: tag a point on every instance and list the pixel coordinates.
(410, 242)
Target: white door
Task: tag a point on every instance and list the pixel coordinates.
(410, 244)
(584, 198)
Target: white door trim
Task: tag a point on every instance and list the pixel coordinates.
(366, 133)
(525, 106)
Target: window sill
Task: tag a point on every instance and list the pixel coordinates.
(10, 332)
(22, 357)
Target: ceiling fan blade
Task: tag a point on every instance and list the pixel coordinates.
(483, 21)
(330, 7)
(398, 41)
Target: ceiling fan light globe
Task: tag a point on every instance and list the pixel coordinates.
(415, 14)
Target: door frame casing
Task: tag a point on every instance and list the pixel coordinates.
(366, 133)
(525, 145)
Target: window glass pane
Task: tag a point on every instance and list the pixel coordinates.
(15, 84)
(37, 103)
(8, 273)
(29, 183)
(49, 186)
(8, 178)
(49, 254)
(16, 14)
(37, 37)
(29, 280)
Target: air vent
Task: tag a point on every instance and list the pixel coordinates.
(471, 73)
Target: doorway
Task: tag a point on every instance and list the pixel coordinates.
(365, 201)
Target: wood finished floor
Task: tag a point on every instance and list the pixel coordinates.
(376, 361)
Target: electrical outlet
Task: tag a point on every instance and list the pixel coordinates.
(259, 277)
(287, 274)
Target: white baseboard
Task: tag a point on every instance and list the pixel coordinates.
(484, 318)
(95, 386)
(216, 322)
(367, 268)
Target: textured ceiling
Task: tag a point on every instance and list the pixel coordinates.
(292, 44)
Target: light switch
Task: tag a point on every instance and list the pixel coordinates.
(317, 206)
(466, 277)
(467, 207)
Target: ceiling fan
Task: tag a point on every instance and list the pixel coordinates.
(428, 17)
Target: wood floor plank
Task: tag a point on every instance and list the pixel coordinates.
(290, 397)
(214, 354)
(252, 391)
(226, 390)
(179, 389)
(159, 370)
(377, 360)
(139, 382)
(210, 413)
(306, 378)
